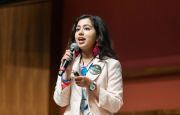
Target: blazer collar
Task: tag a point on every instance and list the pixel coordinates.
(76, 69)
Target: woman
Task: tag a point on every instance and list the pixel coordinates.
(98, 90)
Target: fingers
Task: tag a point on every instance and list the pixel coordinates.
(67, 56)
(79, 78)
(80, 83)
(83, 81)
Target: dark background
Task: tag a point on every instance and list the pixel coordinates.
(10, 1)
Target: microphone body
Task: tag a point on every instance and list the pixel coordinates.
(63, 67)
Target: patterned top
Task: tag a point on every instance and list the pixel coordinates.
(84, 103)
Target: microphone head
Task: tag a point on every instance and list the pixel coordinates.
(74, 46)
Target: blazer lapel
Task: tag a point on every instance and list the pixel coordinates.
(76, 69)
(99, 62)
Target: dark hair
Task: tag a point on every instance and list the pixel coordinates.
(104, 44)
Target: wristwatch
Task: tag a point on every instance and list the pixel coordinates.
(92, 86)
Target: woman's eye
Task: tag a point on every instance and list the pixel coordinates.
(77, 29)
(86, 28)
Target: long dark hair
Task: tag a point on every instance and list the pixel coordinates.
(104, 44)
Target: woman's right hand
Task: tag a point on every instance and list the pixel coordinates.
(71, 57)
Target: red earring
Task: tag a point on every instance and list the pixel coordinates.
(77, 53)
(96, 50)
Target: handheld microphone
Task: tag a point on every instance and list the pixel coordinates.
(62, 69)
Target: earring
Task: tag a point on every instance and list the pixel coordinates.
(77, 53)
(96, 50)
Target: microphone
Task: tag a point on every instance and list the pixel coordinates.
(63, 67)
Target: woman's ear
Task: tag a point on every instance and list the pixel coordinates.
(97, 39)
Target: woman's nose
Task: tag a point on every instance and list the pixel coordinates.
(81, 32)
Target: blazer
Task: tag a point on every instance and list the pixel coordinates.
(111, 90)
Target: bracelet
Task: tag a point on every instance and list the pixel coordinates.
(64, 86)
(65, 80)
(66, 83)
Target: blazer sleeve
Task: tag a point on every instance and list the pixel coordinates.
(62, 97)
(111, 98)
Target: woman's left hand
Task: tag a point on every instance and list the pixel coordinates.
(83, 81)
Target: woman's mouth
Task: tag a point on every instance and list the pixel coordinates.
(81, 40)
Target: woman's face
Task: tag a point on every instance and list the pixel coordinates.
(85, 35)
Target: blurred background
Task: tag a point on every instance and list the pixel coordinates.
(145, 36)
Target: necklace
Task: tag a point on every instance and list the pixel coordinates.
(84, 70)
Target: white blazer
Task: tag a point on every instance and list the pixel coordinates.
(111, 90)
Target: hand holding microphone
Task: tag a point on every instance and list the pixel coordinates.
(68, 59)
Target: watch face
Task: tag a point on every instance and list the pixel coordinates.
(92, 86)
